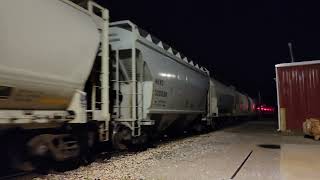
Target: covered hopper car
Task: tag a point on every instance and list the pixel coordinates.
(69, 80)
(226, 103)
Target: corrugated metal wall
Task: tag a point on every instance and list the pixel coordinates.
(299, 93)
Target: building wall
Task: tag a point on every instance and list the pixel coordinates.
(298, 93)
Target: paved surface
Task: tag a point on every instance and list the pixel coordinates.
(231, 146)
(216, 155)
(300, 162)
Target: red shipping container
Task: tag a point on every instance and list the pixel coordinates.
(298, 90)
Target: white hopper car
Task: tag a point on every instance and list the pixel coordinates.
(62, 90)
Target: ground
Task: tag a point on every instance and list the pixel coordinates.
(215, 155)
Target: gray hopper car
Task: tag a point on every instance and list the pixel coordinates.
(226, 102)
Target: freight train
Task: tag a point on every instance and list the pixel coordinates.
(70, 80)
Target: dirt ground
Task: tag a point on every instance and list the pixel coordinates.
(216, 155)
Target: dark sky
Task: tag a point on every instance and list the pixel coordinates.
(238, 41)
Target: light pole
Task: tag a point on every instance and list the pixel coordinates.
(291, 52)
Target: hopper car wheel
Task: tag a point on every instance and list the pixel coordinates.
(58, 151)
(121, 136)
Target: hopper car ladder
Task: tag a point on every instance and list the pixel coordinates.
(100, 105)
(136, 94)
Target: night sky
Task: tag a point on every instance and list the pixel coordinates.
(238, 41)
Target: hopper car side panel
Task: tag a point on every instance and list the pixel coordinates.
(46, 53)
